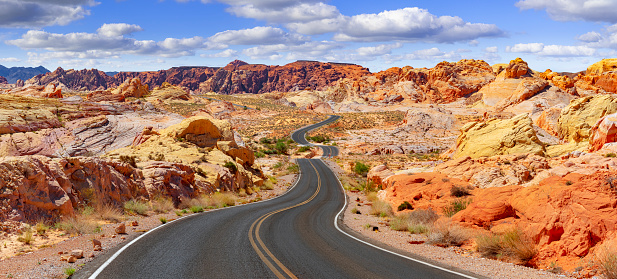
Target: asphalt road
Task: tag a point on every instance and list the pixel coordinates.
(296, 235)
(299, 136)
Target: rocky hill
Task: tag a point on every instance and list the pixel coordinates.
(23, 73)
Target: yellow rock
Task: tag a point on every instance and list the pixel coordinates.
(499, 137)
(581, 114)
(562, 149)
(604, 65)
(201, 130)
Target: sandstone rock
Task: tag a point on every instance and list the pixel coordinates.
(604, 131)
(435, 118)
(201, 131)
(134, 223)
(131, 88)
(144, 135)
(577, 119)
(220, 109)
(77, 254)
(104, 96)
(483, 213)
(96, 242)
(499, 137)
(516, 69)
(604, 65)
(71, 259)
(320, 107)
(168, 92)
(377, 174)
(527, 88)
(549, 120)
(120, 229)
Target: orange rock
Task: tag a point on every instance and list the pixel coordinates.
(517, 68)
(377, 174)
(120, 229)
(96, 243)
(549, 120)
(604, 131)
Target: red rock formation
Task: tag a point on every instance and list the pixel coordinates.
(75, 80)
(604, 131)
(239, 77)
(517, 68)
(3, 80)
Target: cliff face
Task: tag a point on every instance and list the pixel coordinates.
(237, 77)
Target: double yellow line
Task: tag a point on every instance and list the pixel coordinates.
(258, 244)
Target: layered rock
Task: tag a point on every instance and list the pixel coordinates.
(516, 69)
(131, 88)
(602, 66)
(377, 174)
(604, 131)
(577, 119)
(499, 137)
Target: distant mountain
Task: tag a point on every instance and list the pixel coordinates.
(23, 73)
(111, 74)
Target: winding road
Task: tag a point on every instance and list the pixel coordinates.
(297, 235)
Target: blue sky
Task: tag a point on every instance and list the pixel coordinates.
(138, 35)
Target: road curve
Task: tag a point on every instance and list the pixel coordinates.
(296, 235)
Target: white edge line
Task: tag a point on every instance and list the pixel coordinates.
(115, 255)
(382, 249)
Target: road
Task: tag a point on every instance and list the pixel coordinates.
(297, 235)
(299, 136)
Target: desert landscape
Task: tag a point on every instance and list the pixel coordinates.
(500, 162)
(308, 139)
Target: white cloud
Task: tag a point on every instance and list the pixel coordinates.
(257, 36)
(492, 49)
(224, 53)
(304, 12)
(308, 50)
(118, 29)
(39, 13)
(412, 24)
(571, 10)
(109, 41)
(606, 39)
(378, 50)
(552, 50)
(322, 26)
(9, 59)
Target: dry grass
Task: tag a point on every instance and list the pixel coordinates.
(607, 259)
(447, 233)
(214, 201)
(513, 245)
(161, 205)
(78, 225)
(26, 237)
(381, 208)
(417, 221)
(372, 197)
(41, 228)
(109, 213)
(136, 207)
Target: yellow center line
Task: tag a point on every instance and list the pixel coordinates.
(260, 221)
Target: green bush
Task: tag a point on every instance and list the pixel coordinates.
(459, 191)
(196, 209)
(231, 166)
(304, 148)
(136, 207)
(404, 205)
(360, 168)
(455, 206)
(281, 148)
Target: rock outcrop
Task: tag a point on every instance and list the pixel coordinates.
(499, 137)
(131, 88)
(3, 80)
(604, 131)
(577, 119)
(602, 66)
(516, 69)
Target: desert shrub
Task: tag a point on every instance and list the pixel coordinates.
(607, 260)
(157, 157)
(242, 192)
(293, 168)
(136, 207)
(278, 165)
(281, 148)
(265, 141)
(41, 228)
(381, 208)
(513, 244)
(77, 225)
(161, 205)
(372, 197)
(223, 200)
(355, 210)
(178, 213)
(163, 220)
(360, 168)
(26, 237)
(417, 221)
(304, 148)
(108, 212)
(611, 155)
(87, 211)
(459, 191)
(455, 206)
(231, 166)
(259, 154)
(405, 205)
(131, 160)
(447, 234)
(196, 209)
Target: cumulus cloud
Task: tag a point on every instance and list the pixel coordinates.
(39, 13)
(552, 50)
(257, 36)
(492, 49)
(571, 10)
(606, 39)
(223, 54)
(9, 59)
(109, 41)
(304, 12)
(308, 50)
(432, 54)
(378, 50)
(412, 24)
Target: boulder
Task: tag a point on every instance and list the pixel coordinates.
(120, 229)
(577, 119)
(200, 130)
(604, 131)
(77, 254)
(517, 68)
(499, 137)
(131, 88)
(377, 174)
(549, 120)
